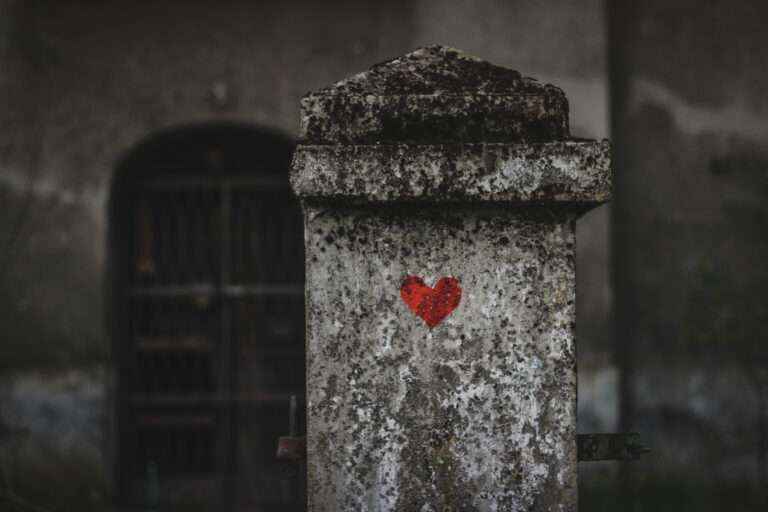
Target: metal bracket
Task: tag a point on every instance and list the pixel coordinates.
(589, 447)
(619, 446)
(292, 448)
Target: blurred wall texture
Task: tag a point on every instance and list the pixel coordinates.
(83, 82)
(690, 128)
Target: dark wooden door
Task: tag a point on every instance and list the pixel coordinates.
(208, 320)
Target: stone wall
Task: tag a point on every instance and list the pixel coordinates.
(691, 131)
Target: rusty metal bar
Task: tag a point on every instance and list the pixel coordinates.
(590, 447)
(259, 180)
(227, 364)
(231, 291)
(618, 446)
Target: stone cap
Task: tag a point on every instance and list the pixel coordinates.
(434, 95)
(565, 173)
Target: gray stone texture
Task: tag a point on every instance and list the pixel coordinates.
(478, 412)
(475, 414)
(435, 94)
(555, 172)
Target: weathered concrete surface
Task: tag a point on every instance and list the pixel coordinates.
(435, 94)
(475, 414)
(556, 172)
(465, 409)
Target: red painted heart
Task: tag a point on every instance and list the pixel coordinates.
(431, 304)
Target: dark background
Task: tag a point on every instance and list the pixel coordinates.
(672, 312)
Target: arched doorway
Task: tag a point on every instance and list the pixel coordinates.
(207, 319)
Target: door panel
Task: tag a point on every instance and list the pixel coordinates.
(209, 324)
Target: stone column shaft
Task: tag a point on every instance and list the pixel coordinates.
(441, 368)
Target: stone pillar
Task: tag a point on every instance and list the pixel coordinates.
(440, 194)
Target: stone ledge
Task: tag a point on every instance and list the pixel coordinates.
(554, 172)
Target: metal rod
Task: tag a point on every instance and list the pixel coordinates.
(617, 446)
(228, 352)
(292, 416)
(230, 291)
(153, 487)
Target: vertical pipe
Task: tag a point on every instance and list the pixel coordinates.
(153, 487)
(228, 351)
(620, 38)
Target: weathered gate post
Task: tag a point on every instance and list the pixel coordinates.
(440, 194)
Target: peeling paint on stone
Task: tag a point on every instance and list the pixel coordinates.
(476, 411)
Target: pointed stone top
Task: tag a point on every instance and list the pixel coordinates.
(435, 95)
(435, 70)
